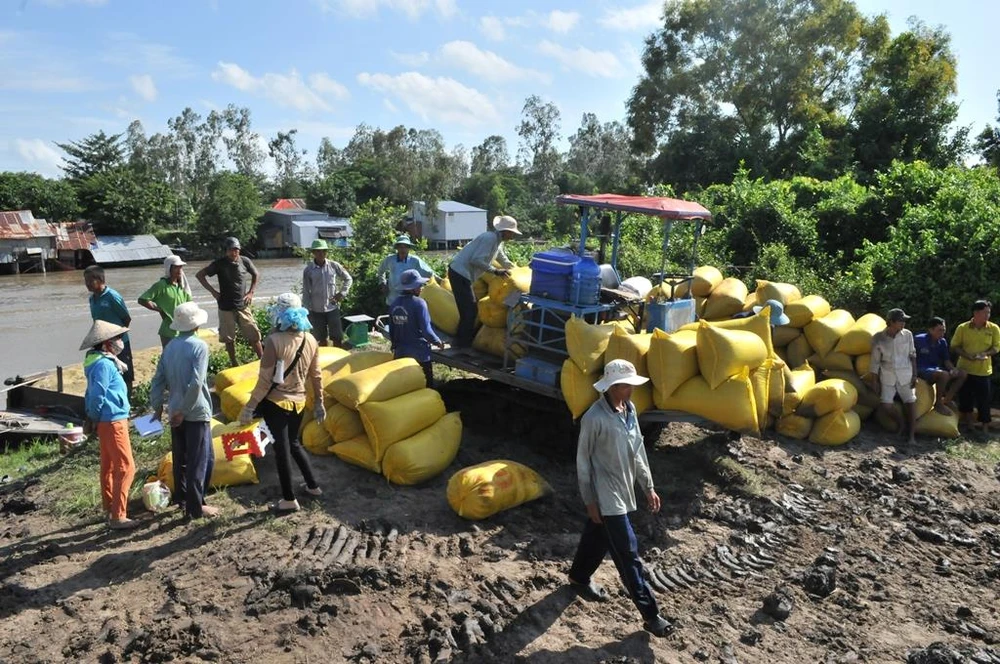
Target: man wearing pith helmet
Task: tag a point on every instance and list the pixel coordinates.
(393, 266)
(325, 284)
(610, 459)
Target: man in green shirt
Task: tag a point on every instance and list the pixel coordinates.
(976, 341)
(164, 296)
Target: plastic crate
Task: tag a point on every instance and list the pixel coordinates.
(539, 371)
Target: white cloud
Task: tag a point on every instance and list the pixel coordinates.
(412, 9)
(560, 21)
(413, 60)
(144, 86)
(492, 28)
(632, 19)
(602, 64)
(441, 100)
(485, 64)
(40, 155)
(288, 90)
(129, 50)
(29, 62)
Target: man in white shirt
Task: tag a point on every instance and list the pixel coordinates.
(325, 284)
(894, 369)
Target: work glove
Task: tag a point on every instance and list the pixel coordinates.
(246, 415)
(319, 412)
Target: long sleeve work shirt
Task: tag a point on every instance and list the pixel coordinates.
(390, 269)
(410, 328)
(106, 398)
(183, 373)
(477, 257)
(320, 283)
(611, 458)
(283, 346)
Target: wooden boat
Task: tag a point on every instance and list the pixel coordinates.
(35, 412)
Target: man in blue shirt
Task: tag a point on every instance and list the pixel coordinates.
(410, 328)
(934, 364)
(392, 268)
(108, 305)
(183, 372)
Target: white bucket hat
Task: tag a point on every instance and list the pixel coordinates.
(172, 260)
(505, 223)
(100, 332)
(619, 371)
(188, 316)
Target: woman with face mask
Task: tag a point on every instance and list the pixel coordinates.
(107, 405)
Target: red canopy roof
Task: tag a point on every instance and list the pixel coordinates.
(667, 208)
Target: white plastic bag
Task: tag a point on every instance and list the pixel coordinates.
(155, 496)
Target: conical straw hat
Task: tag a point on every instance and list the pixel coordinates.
(100, 332)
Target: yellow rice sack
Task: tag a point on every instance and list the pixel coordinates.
(750, 301)
(835, 428)
(723, 353)
(858, 339)
(357, 452)
(587, 343)
(783, 335)
(794, 426)
(730, 405)
(631, 347)
(231, 376)
(837, 361)
(759, 325)
(933, 423)
(519, 281)
(316, 439)
(480, 491)
(826, 397)
(327, 355)
(481, 286)
(672, 360)
(342, 423)
(926, 397)
(388, 422)
(776, 290)
(803, 311)
(424, 455)
(493, 340)
(642, 398)
(235, 397)
(492, 313)
(706, 278)
(775, 386)
(824, 333)
(224, 473)
(355, 362)
(865, 394)
(760, 382)
(379, 383)
(863, 411)
(577, 388)
(797, 383)
(862, 364)
(726, 299)
(442, 308)
(799, 351)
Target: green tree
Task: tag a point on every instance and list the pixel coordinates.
(333, 194)
(374, 225)
(120, 201)
(328, 158)
(232, 209)
(242, 142)
(491, 155)
(539, 131)
(288, 161)
(600, 153)
(53, 200)
(94, 154)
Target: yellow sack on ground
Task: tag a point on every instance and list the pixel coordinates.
(424, 455)
(723, 353)
(827, 396)
(493, 340)
(672, 360)
(824, 333)
(705, 279)
(235, 397)
(480, 491)
(759, 325)
(519, 281)
(327, 355)
(342, 423)
(804, 311)
(760, 381)
(837, 361)
(775, 386)
(587, 343)
(577, 388)
(862, 364)
(492, 313)
(783, 335)
(858, 339)
(642, 398)
(224, 473)
(730, 405)
(358, 452)
(726, 299)
(355, 362)
(388, 422)
(926, 397)
(797, 383)
(863, 411)
(799, 351)
(231, 376)
(316, 439)
(217, 427)
(631, 347)
(935, 424)
(379, 383)
(885, 420)
(835, 428)
(794, 426)
(865, 394)
(442, 308)
(776, 290)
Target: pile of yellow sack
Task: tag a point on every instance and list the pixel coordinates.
(224, 473)
(381, 415)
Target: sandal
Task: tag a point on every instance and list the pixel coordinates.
(286, 506)
(591, 591)
(315, 492)
(124, 523)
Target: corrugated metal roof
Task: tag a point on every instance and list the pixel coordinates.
(332, 222)
(73, 235)
(128, 248)
(455, 206)
(289, 204)
(22, 225)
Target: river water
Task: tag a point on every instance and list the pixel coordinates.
(44, 317)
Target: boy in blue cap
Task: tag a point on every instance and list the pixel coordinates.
(410, 328)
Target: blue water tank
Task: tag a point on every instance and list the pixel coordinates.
(586, 286)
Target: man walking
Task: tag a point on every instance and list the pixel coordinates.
(393, 266)
(610, 459)
(894, 366)
(934, 364)
(183, 372)
(163, 297)
(325, 284)
(108, 305)
(237, 283)
(976, 341)
(470, 263)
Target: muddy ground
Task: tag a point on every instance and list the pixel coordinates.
(765, 551)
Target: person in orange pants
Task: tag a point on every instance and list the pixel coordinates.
(107, 405)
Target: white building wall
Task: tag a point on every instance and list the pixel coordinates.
(463, 226)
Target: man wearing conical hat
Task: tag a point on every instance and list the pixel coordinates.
(107, 405)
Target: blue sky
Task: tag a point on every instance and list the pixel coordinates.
(72, 67)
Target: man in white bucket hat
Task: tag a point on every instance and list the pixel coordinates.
(183, 372)
(475, 259)
(610, 459)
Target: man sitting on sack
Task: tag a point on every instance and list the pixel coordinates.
(894, 371)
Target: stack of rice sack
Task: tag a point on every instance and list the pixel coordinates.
(494, 293)
(441, 306)
(707, 280)
(590, 348)
(822, 412)
(404, 433)
(224, 473)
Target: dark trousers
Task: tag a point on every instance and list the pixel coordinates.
(327, 325)
(194, 460)
(126, 357)
(976, 392)
(468, 308)
(284, 426)
(615, 535)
